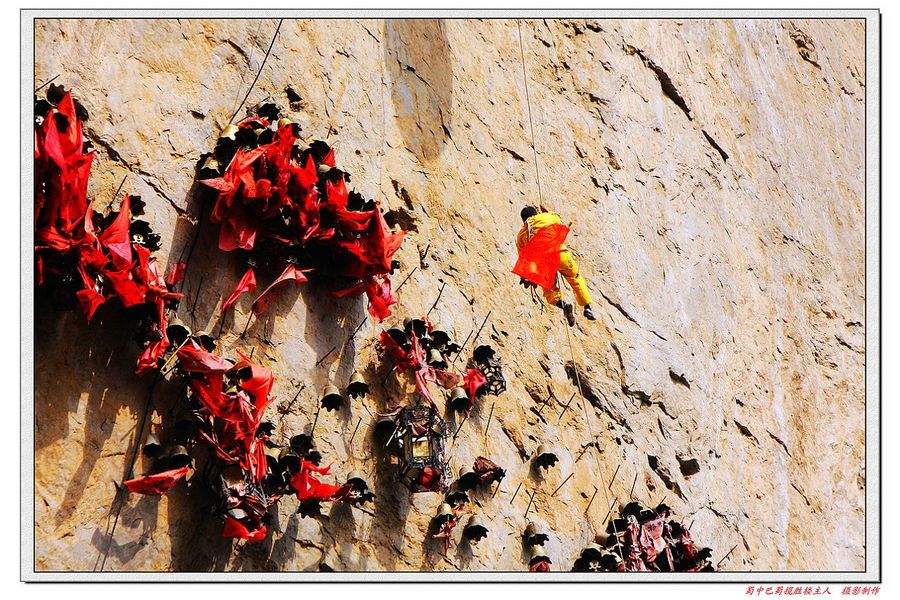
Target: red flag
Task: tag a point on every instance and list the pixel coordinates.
(177, 274)
(473, 381)
(308, 487)
(246, 284)
(539, 258)
(261, 304)
(158, 484)
(235, 529)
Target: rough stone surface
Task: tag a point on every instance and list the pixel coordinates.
(713, 171)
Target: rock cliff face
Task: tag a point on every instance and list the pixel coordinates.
(713, 172)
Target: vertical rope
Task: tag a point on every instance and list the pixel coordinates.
(537, 169)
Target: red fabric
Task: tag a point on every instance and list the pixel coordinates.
(541, 566)
(651, 539)
(308, 487)
(430, 478)
(107, 263)
(539, 258)
(235, 529)
(177, 274)
(158, 484)
(266, 190)
(194, 359)
(262, 302)
(473, 380)
(246, 284)
(487, 470)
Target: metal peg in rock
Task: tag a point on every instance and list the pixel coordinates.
(545, 457)
(357, 388)
(331, 398)
(475, 530)
(534, 536)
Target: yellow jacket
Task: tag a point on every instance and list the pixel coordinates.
(535, 223)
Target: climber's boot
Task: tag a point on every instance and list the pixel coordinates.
(569, 310)
(589, 314)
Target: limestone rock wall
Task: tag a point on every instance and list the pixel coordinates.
(713, 171)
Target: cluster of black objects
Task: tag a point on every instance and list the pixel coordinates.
(642, 539)
(176, 453)
(333, 400)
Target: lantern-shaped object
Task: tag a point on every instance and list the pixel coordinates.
(534, 536)
(152, 446)
(474, 529)
(545, 457)
(358, 388)
(422, 435)
(331, 398)
(459, 400)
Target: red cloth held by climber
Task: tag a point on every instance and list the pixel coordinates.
(539, 258)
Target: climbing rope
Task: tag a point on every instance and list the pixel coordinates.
(537, 169)
(558, 278)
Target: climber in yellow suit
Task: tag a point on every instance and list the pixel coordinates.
(532, 221)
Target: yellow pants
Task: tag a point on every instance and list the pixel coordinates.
(568, 268)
